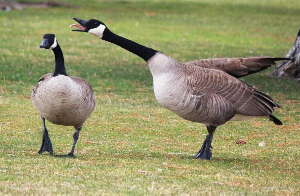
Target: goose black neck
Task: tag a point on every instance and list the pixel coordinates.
(59, 62)
(138, 49)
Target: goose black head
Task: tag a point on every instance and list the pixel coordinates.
(92, 26)
(49, 41)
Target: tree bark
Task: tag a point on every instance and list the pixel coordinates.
(290, 68)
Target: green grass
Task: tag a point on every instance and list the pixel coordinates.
(131, 145)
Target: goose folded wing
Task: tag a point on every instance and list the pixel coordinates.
(244, 99)
(43, 78)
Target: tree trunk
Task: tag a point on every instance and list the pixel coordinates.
(290, 68)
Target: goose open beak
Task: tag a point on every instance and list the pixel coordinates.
(81, 26)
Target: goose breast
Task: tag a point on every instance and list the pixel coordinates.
(64, 100)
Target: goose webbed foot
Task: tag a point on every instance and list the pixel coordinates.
(205, 151)
(46, 143)
(70, 154)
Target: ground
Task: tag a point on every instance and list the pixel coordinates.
(131, 145)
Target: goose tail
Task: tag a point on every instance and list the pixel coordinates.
(275, 120)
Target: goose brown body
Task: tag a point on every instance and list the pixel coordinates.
(205, 94)
(64, 100)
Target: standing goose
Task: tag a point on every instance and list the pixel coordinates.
(61, 99)
(205, 91)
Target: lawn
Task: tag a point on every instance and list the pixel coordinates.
(131, 145)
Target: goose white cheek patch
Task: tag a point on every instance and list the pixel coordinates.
(98, 31)
(54, 44)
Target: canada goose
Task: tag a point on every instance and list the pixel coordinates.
(204, 91)
(61, 99)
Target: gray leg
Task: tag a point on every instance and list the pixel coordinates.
(205, 151)
(46, 144)
(75, 136)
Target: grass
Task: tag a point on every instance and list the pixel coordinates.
(131, 145)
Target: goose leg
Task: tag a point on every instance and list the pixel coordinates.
(46, 144)
(75, 136)
(205, 151)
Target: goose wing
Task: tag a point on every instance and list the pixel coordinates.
(226, 94)
(237, 67)
(86, 90)
(43, 78)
